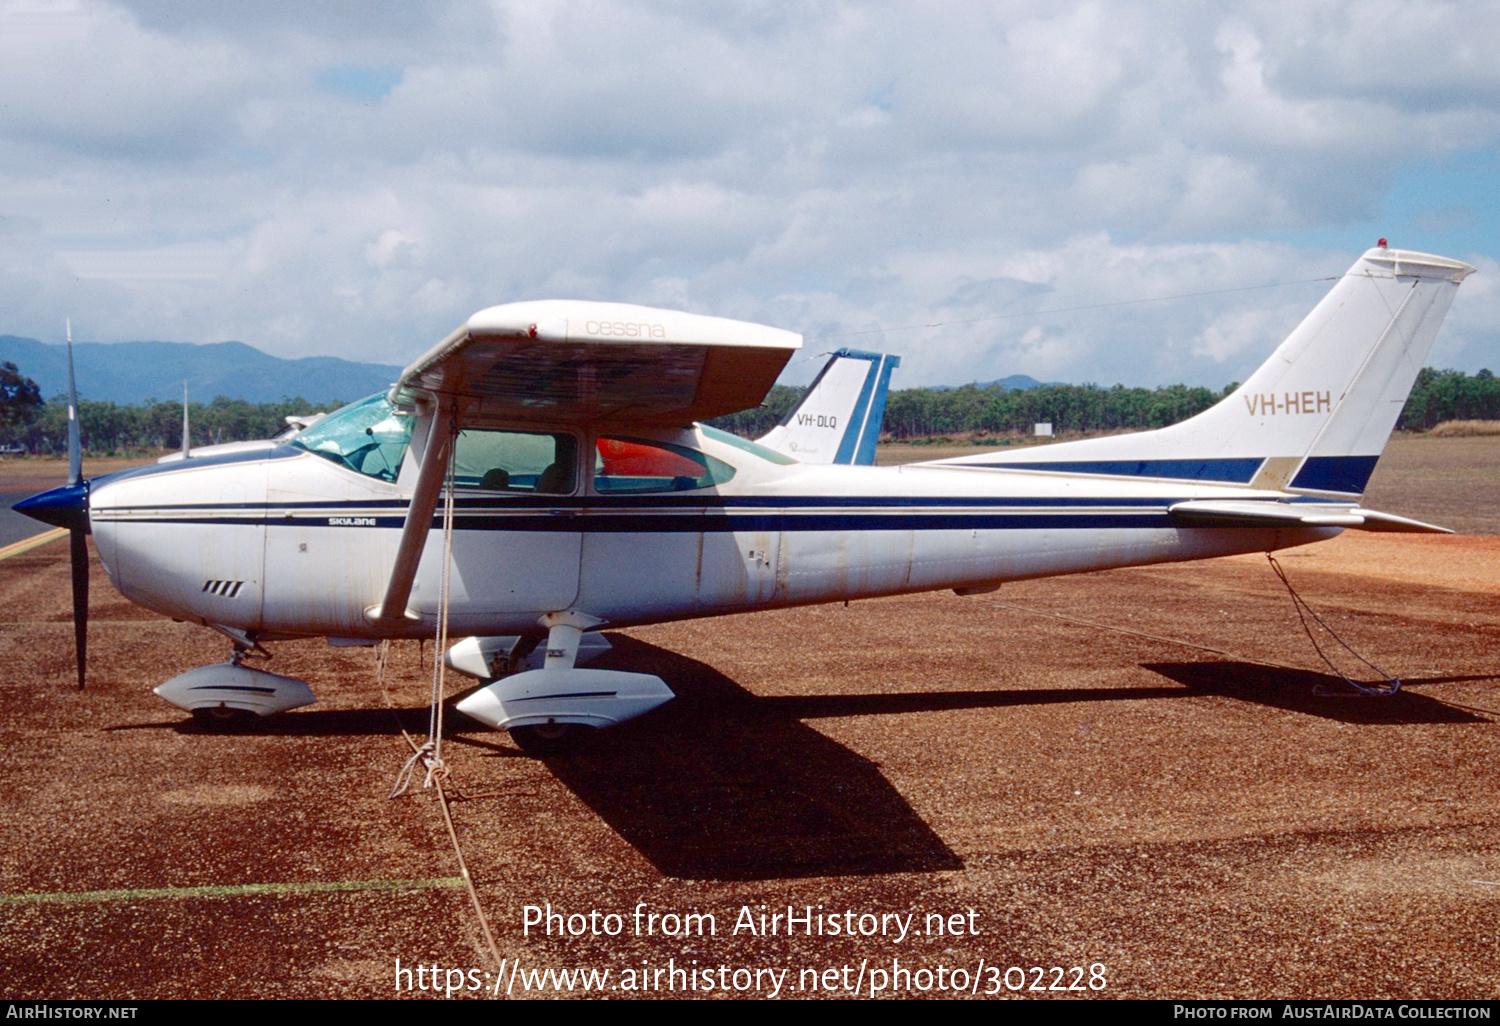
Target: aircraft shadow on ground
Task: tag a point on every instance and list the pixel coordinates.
(722, 784)
(1317, 694)
(716, 786)
(302, 723)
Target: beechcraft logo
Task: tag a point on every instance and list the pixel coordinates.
(1268, 403)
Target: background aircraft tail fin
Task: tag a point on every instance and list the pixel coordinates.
(1316, 415)
(838, 420)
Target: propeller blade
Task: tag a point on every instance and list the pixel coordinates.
(68, 506)
(79, 547)
(75, 447)
(77, 542)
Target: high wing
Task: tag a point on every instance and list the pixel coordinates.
(571, 362)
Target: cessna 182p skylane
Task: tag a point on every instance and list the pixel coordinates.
(585, 494)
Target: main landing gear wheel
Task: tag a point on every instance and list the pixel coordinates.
(220, 717)
(551, 738)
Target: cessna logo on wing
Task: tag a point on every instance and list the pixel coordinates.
(624, 329)
(1288, 402)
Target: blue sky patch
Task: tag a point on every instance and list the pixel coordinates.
(366, 83)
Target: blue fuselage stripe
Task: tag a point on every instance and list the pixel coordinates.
(639, 503)
(832, 516)
(722, 524)
(1232, 471)
(698, 514)
(1343, 474)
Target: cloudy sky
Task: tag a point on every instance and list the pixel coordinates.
(1134, 192)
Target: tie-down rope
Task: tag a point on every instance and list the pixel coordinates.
(430, 753)
(1392, 684)
(382, 659)
(1391, 687)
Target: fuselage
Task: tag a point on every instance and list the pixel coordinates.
(295, 541)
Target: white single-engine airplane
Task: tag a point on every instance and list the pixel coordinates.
(585, 494)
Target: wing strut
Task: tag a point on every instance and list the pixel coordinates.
(392, 612)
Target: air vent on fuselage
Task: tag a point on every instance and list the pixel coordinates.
(227, 589)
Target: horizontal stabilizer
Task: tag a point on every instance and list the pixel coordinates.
(1215, 513)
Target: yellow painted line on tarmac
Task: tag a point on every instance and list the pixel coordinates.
(232, 890)
(27, 544)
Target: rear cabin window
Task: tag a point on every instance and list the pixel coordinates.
(629, 465)
(745, 445)
(515, 461)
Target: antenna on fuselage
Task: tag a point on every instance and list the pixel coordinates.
(185, 452)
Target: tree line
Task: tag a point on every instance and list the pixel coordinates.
(911, 414)
(109, 428)
(973, 410)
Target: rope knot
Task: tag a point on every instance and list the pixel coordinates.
(423, 754)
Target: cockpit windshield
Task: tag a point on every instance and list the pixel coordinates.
(367, 436)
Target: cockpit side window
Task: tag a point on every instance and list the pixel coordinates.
(515, 461)
(638, 465)
(367, 436)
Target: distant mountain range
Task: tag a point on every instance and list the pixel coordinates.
(132, 372)
(1014, 381)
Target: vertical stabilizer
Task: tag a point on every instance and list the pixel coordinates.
(838, 420)
(1316, 415)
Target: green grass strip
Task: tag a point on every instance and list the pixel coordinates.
(232, 890)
